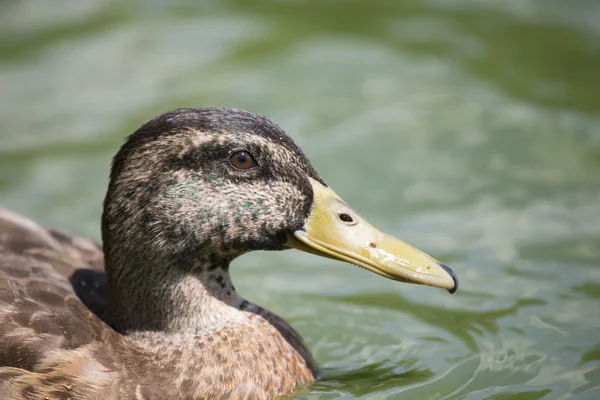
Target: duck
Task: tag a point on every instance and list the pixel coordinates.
(153, 312)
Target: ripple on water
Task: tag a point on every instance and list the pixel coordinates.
(467, 128)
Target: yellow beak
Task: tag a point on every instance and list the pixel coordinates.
(333, 229)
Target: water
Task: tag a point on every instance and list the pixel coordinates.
(470, 129)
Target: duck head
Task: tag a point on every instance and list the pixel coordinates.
(195, 188)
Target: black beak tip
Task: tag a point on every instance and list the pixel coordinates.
(454, 278)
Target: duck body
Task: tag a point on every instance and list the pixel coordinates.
(154, 314)
(53, 346)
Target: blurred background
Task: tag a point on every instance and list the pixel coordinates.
(471, 129)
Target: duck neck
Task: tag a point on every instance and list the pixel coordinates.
(164, 296)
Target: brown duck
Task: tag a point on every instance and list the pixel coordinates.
(156, 316)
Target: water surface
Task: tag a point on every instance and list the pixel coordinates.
(470, 130)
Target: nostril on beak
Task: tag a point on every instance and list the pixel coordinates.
(345, 218)
(454, 278)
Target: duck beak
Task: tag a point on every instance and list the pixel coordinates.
(333, 229)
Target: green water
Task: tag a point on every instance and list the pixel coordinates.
(470, 129)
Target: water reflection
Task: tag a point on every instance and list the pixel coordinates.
(468, 128)
(464, 324)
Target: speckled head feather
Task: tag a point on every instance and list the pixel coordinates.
(165, 163)
(207, 120)
(176, 206)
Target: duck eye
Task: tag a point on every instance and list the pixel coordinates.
(242, 160)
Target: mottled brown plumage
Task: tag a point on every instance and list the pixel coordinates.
(173, 326)
(154, 314)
